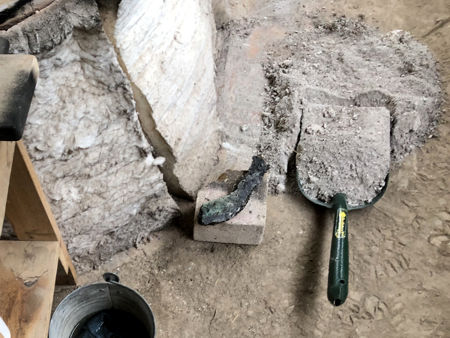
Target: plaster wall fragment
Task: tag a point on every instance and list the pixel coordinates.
(84, 137)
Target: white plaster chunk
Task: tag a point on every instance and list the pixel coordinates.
(168, 53)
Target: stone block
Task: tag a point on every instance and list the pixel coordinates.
(169, 56)
(247, 227)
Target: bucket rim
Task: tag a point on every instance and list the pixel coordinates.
(106, 284)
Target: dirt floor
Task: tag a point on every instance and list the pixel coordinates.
(399, 248)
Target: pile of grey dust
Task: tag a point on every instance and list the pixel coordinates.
(346, 66)
(343, 150)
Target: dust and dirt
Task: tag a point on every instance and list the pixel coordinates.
(399, 266)
(343, 62)
(343, 150)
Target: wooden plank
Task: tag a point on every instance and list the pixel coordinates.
(27, 283)
(6, 159)
(26, 206)
(29, 212)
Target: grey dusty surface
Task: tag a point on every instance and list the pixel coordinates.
(226, 207)
(247, 227)
(399, 257)
(343, 150)
(340, 61)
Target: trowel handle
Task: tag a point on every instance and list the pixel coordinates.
(338, 272)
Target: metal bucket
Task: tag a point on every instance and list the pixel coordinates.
(87, 301)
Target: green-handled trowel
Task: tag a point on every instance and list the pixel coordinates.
(338, 270)
(344, 166)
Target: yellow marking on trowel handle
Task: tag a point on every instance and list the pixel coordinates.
(340, 233)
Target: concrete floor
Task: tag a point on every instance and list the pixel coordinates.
(399, 248)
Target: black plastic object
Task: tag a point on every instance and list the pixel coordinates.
(111, 277)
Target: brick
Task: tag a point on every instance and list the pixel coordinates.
(247, 227)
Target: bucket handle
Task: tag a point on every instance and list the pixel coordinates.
(110, 277)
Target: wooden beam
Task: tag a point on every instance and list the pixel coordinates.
(28, 210)
(6, 159)
(27, 283)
